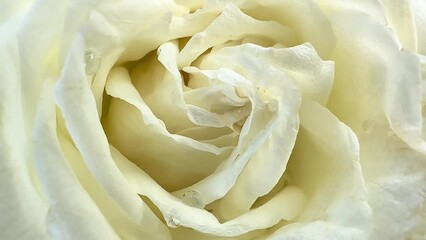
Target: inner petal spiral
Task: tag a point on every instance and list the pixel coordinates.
(204, 141)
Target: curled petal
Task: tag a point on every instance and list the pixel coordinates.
(176, 213)
(73, 96)
(75, 217)
(326, 165)
(232, 24)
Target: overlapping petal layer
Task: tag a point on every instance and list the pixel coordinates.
(212, 119)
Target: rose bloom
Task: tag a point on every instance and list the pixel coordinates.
(215, 119)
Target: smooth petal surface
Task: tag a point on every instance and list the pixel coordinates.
(385, 85)
(313, 27)
(19, 217)
(397, 92)
(330, 173)
(401, 19)
(24, 70)
(177, 213)
(394, 175)
(72, 94)
(68, 218)
(419, 11)
(11, 9)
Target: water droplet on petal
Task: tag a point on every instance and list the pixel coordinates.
(193, 198)
(368, 125)
(172, 222)
(93, 62)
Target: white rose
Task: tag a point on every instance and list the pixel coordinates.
(239, 119)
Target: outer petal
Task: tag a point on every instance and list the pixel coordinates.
(25, 68)
(401, 19)
(390, 79)
(75, 217)
(372, 8)
(22, 210)
(313, 27)
(10, 9)
(396, 182)
(419, 9)
(73, 95)
(385, 87)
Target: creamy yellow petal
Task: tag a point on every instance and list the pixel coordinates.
(76, 102)
(326, 165)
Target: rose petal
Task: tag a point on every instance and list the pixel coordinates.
(419, 10)
(167, 55)
(313, 27)
(155, 85)
(76, 102)
(22, 209)
(255, 131)
(11, 9)
(27, 70)
(232, 24)
(285, 205)
(140, 127)
(396, 182)
(401, 19)
(313, 75)
(68, 218)
(325, 164)
(145, 27)
(314, 78)
(386, 91)
(122, 33)
(374, 9)
(217, 106)
(390, 79)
